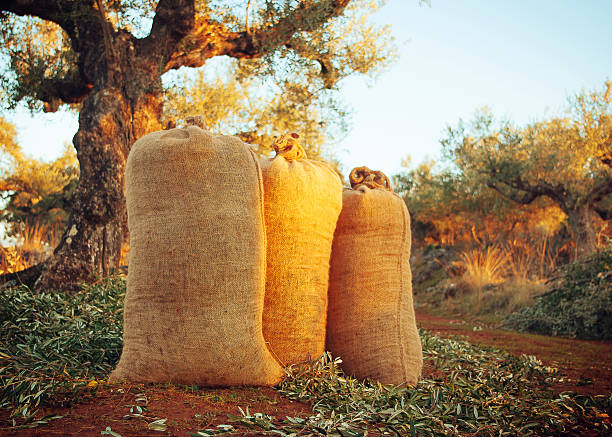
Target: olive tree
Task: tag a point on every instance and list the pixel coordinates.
(106, 59)
(566, 159)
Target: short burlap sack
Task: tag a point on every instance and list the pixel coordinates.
(196, 277)
(370, 322)
(302, 201)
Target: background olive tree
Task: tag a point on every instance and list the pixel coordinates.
(566, 160)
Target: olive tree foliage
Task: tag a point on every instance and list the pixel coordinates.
(292, 86)
(35, 194)
(259, 99)
(106, 58)
(37, 59)
(565, 159)
(257, 117)
(450, 208)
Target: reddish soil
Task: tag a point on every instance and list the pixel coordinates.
(185, 410)
(586, 366)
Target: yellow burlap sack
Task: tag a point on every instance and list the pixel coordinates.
(196, 276)
(302, 200)
(370, 321)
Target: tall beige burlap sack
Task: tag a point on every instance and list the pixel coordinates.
(196, 275)
(302, 201)
(370, 321)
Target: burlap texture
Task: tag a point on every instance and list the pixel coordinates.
(195, 287)
(302, 201)
(370, 321)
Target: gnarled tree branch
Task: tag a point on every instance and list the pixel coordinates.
(601, 190)
(24, 277)
(73, 16)
(54, 92)
(57, 11)
(604, 213)
(524, 193)
(174, 19)
(523, 198)
(210, 38)
(329, 74)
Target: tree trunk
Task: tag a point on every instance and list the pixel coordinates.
(582, 223)
(125, 106)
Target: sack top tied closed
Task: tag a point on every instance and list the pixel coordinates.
(370, 178)
(196, 120)
(289, 147)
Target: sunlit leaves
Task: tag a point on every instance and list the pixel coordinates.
(35, 191)
(592, 109)
(342, 47)
(566, 160)
(449, 206)
(223, 103)
(257, 109)
(33, 50)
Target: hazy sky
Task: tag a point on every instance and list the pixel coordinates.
(522, 58)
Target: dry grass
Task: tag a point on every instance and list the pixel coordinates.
(483, 267)
(33, 237)
(35, 243)
(11, 260)
(495, 281)
(510, 296)
(125, 254)
(533, 260)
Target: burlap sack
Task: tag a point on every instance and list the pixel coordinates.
(302, 201)
(196, 276)
(370, 321)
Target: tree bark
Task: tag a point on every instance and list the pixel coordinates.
(91, 245)
(125, 104)
(581, 221)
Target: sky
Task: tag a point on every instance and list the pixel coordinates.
(521, 58)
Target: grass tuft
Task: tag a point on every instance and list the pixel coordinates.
(484, 266)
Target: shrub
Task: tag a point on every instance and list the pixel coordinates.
(578, 305)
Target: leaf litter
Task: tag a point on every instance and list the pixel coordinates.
(56, 347)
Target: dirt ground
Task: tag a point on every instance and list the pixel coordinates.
(586, 365)
(185, 410)
(129, 410)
